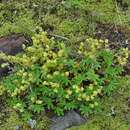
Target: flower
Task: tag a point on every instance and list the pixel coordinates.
(55, 90)
(18, 105)
(66, 73)
(33, 99)
(92, 97)
(39, 102)
(83, 96)
(81, 89)
(87, 98)
(91, 105)
(106, 41)
(90, 87)
(69, 92)
(4, 65)
(96, 103)
(79, 99)
(67, 96)
(95, 93)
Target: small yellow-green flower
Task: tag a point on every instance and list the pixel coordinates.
(96, 103)
(69, 92)
(91, 105)
(39, 101)
(87, 98)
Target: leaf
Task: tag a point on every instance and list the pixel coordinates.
(107, 57)
(60, 78)
(85, 109)
(70, 105)
(78, 79)
(91, 75)
(59, 111)
(37, 108)
(36, 73)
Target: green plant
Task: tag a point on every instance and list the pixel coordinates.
(115, 114)
(15, 18)
(58, 16)
(49, 75)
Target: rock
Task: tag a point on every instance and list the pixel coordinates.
(32, 123)
(17, 127)
(11, 45)
(129, 102)
(71, 118)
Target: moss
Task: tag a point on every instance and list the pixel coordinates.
(43, 122)
(64, 17)
(13, 120)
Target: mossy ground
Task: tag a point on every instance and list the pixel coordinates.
(73, 20)
(13, 121)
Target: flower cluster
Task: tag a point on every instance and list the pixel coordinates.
(91, 46)
(122, 56)
(46, 76)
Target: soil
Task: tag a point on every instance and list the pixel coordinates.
(118, 37)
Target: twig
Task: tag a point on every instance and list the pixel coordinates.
(59, 36)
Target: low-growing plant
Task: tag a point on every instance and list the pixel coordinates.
(15, 18)
(51, 76)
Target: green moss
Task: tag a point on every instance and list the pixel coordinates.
(13, 120)
(65, 17)
(43, 122)
(15, 18)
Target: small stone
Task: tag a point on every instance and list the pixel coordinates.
(17, 127)
(71, 118)
(32, 123)
(11, 45)
(129, 102)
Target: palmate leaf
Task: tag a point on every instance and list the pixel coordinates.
(107, 57)
(8, 82)
(61, 92)
(59, 111)
(70, 105)
(48, 102)
(36, 70)
(26, 116)
(91, 75)
(113, 71)
(112, 86)
(42, 90)
(37, 108)
(60, 78)
(85, 109)
(69, 64)
(89, 63)
(78, 79)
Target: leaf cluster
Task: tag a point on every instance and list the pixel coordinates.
(51, 76)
